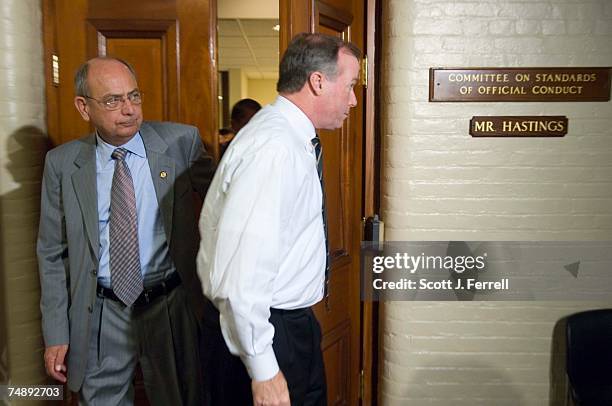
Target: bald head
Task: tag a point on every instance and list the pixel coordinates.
(81, 87)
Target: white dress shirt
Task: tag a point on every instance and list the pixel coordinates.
(263, 244)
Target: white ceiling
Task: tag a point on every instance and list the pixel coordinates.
(250, 44)
(260, 9)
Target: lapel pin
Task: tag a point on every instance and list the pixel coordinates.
(163, 174)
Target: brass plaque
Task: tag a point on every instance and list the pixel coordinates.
(519, 84)
(518, 126)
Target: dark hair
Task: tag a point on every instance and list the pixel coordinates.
(80, 78)
(242, 112)
(308, 53)
(244, 107)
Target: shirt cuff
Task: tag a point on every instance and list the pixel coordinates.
(262, 367)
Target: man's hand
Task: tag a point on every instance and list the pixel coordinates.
(273, 392)
(54, 361)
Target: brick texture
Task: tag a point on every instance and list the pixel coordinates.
(441, 184)
(22, 149)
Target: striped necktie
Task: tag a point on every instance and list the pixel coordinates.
(318, 148)
(126, 278)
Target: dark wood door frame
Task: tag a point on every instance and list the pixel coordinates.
(371, 203)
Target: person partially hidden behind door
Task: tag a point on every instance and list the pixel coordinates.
(263, 262)
(117, 246)
(242, 112)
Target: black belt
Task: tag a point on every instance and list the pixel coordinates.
(274, 310)
(148, 295)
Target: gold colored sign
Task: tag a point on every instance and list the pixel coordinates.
(518, 126)
(519, 84)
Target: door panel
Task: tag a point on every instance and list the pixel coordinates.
(68, 42)
(335, 204)
(150, 46)
(144, 54)
(342, 151)
(176, 69)
(337, 350)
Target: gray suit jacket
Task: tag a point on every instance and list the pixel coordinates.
(68, 239)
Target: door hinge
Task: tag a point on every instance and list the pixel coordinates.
(364, 71)
(55, 80)
(361, 384)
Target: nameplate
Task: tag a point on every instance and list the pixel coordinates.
(518, 126)
(519, 84)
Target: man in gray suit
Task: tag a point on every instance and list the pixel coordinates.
(117, 245)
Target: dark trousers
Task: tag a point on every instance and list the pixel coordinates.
(297, 346)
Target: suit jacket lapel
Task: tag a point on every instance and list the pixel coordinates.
(84, 183)
(162, 173)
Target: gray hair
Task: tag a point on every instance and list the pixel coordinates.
(80, 78)
(308, 53)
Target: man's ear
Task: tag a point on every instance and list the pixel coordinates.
(81, 105)
(316, 81)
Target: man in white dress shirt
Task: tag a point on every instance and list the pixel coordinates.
(263, 260)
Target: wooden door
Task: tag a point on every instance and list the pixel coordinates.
(170, 43)
(340, 318)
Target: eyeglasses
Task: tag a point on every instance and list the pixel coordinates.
(114, 102)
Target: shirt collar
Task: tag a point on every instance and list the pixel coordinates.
(300, 122)
(134, 145)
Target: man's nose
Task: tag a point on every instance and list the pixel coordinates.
(127, 107)
(353, 99)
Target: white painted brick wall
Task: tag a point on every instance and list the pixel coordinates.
(22, 149)
(441, 184)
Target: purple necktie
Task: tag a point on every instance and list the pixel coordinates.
(126, 279)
